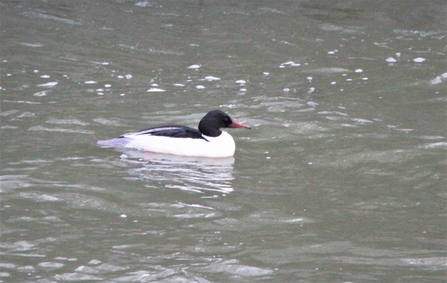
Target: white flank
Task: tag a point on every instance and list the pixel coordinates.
(221, 146)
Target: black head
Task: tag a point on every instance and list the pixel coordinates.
(214, 120)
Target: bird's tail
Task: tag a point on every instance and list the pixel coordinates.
(112, 143)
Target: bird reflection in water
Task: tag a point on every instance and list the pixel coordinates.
(209, 176)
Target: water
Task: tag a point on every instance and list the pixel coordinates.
(341, 179)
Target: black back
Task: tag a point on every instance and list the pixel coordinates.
(173, 131)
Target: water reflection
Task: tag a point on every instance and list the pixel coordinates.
(209, 176)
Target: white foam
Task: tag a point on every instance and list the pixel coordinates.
(155, 89)
(50, 84)
(391, 60)
(419, 60)
(41, 93)
(211, 78)
(196, 66)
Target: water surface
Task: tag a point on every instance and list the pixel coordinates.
(341, 179)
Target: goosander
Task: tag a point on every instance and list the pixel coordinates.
(207, 141)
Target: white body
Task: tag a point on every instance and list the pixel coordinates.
(221, 146)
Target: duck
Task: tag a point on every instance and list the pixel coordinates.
(206, 141)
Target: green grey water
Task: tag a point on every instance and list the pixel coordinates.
(341, 179)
